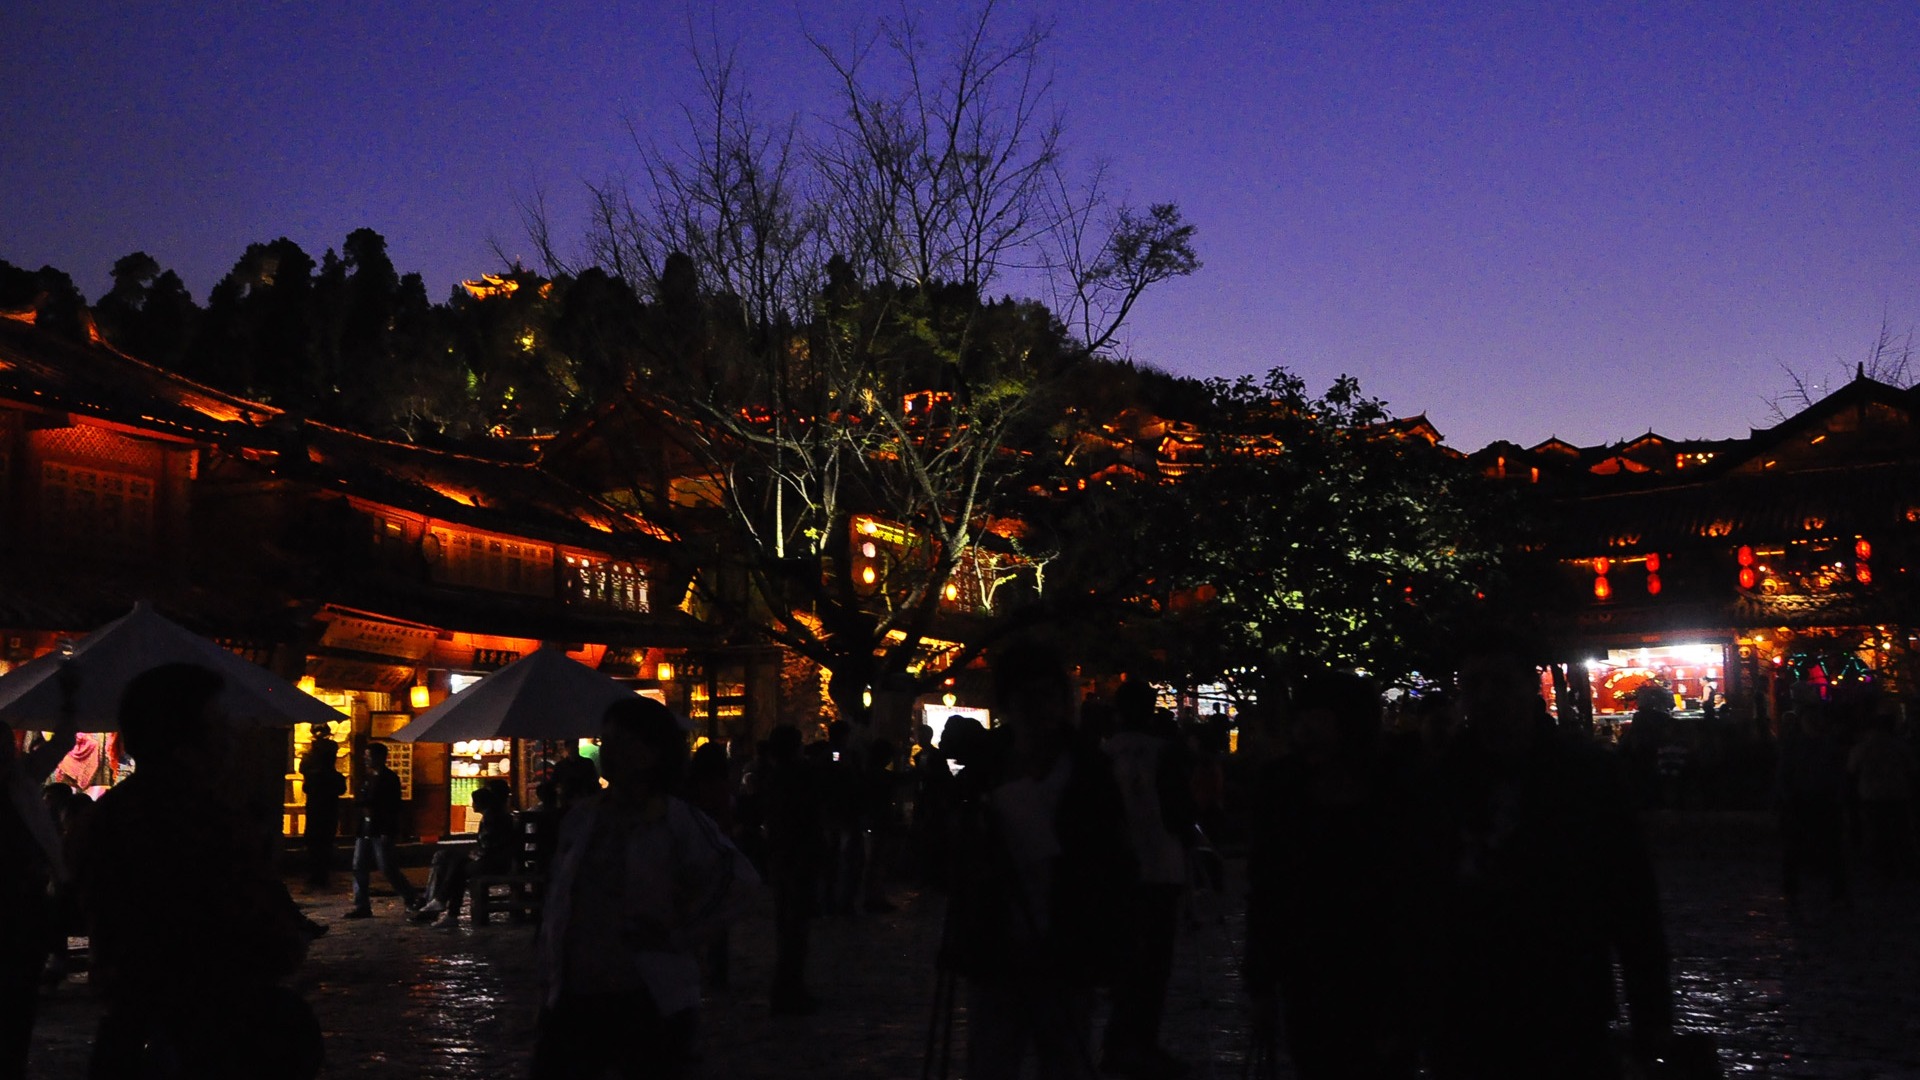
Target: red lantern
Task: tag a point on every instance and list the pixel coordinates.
(1653, 584)
(1747, 577)
(1601, 590)
(1863, 574)
(1745, 555)
(1653, 562)
(1862, 550)
(1601, 566)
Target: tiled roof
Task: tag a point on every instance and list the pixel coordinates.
(44, 371)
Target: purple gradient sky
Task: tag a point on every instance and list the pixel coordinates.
(1582, 220)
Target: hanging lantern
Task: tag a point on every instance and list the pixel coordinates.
(1863, 574)
(1653, 584)
(868, 576)
(1653, 562)
(1862, 550)
(1744, 556)
(1601, 565)
(1601, 590)
(1747, 577)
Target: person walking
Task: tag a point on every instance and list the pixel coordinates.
(641, 882)
(796, 849)
(1154, 772)
(1038, 919)
(320, 779)
(379, 804)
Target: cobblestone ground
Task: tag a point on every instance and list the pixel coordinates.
(1827, 993)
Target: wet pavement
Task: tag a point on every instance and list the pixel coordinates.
(1822, 993)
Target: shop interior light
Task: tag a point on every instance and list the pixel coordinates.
(308, 684)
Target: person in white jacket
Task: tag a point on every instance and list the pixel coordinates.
(641, 881)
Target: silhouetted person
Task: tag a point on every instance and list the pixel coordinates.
(796, 848)
(380, 806)
(1546, 883)
(321, 780)
(840, 771)
(1330, 876)
(710, 790)
(31, 866)
(878, 822)
(1038, 915)
(1882, 766)
(931, 826)
(640, 884)
(191, 929)
(1154, 772)
(1811, 791)
(496, 845)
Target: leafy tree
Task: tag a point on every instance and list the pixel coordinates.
(148, 313)
(56, 302)
(257, 336)
(1330, 535)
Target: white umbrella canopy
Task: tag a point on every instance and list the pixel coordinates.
(104, 662)
(547, 695)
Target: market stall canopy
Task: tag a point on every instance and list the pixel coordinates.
(547, 695)
(104, 662)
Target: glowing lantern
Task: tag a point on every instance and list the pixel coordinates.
(1601, 590)
(1653, 562)
(419, 697)
(1744, 556)
(1862, 550)
(1653, 584)
(663, 672)
(869, 550)
(1602, 565)
(952, 591)
(1863, 574)
(1748, 578)
(867, 575)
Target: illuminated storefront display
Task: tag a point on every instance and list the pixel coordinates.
(471, 765)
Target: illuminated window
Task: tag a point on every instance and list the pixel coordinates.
(618, 585)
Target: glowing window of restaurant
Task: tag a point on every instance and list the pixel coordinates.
(1690, 673)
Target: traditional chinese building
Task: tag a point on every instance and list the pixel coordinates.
(382, 575)
(1728, 572)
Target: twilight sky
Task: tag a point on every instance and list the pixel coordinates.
(1583, 220)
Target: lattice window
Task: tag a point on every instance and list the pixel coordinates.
(95, 512)
(491, 562)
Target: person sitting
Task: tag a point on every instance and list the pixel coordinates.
(453, 867)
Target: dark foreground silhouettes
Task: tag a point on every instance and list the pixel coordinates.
(191, 929)
(641, 882)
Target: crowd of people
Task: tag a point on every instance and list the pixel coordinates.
(1451, 895)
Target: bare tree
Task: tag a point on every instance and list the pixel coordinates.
(823, 342)
(1889, 359)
